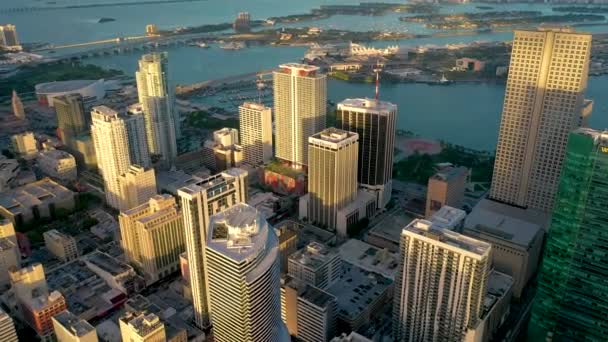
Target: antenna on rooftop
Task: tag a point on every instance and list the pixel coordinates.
(377, 70)
(261, 86)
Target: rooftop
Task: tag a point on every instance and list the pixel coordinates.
(64, 86)
(333, 137)
(6, 244)
(214, 183)
(370, 258)
(499, 285)
(448, 217)
(56, 154)
(78, 327)
(307, 233)
(446, 237)
(42, 192)
(238, 233)
(299, 66)
(356, 290)
(108, 264)
(142, 323)
(450, 173)
(599, 137)
(368, 105)
(504, 222)
(313, 255)
(255, 106)
(106, 111)
(57, 236)
(172, 181)
(135, 109)
(316, 296)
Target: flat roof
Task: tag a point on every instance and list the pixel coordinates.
(450, 173)
(370, 258)
(504, 222)
(446, 237)
(313, 255)
(448, 217)
(64, 86)
(368, 105)
(254, 106)
(356, 290)
(107, 263)
(78, 327)
(390, 227)
(316, 296)
(299, 66)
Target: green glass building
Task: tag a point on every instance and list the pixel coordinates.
(571, 303)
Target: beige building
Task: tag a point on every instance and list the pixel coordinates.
(84, 151)
(152, 236)
(69, 328)
(9, 38)
(226, 136)
(62, 246)
(300, 108)
(316, 264)
(198, 202)
(288, 244)
(58, 165)
(516, 236)
(111, 142)
(543, 103)
(441, 283)
(332, 175)
(446, 187)
(142, 327)
(137, 186)
(256, 133)
(24, 144)
(10, 259)
(7, 328)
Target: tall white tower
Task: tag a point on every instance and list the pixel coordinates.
(242, 261)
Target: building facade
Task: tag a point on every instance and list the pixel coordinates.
(7, 328)
(61, 245)
(199, 202)
(24, 144)
(242, 260)
(446, 187)
(69, 328)
(9, 38)
(136, 132)
(440, 285)
(71, 118)
(111, 142)
(375, 122)
(300, 108)
(142, 327)
(157, 101)
(255, 129)
(57, 164)
(137, 186)
(543, 103)
(570, 303)
(153, 237)
(316, 264)
(332, 175)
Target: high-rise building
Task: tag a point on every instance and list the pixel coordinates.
(332, 175)
(543, 102)
(153, 237)
(256, 133)
(10, 259)
(24, 144)
(137, 186)
(300, 108)
(84, 152)
(136, 132)
(37, 304)
(226, 136)
(17, 106)
(109, 132)
(71, 118)
(242, 260)
(446, 187)
(142, 327)
(316, 264)
(8, 37)
(570, 303)
(440, 285)
(157, 101)
(69, 328)
(198, 202)
(375, 122)
(288, 243)
(61, 245)
(7, 328)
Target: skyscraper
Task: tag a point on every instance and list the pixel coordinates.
(109, 132)
(158, 105)
(153, 237)
(8, 37)
(199, 201)
(332, 174)
(17, 106)
(7, 328)
(136, 132)
(242, 260)
(71, 117)
(571, 302)
(137, 186)
(440, 284)
(375, 122)
(300, 107)
(256, 133)
(543, 102)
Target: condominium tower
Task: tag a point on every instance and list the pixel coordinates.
(8, 36)
(571, 302)
(256, 133)
(157, 101)
(242, 260)
(375, 123)
(300, 107)
(7, 328)
(440, 284)
(543, 103)
(137, 186)
(332, 174)
(152, 236)
(136, 132)
(71, 118)
(200, 201)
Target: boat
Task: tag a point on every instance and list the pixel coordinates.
(442, 81)
(202, 45)
(233, 46)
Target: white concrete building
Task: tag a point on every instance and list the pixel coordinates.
(24, 144)
(61, 245)
(57, 164)
(137, 186)
(69, 328)
(136, 132)
(316, 264)
(256, 133)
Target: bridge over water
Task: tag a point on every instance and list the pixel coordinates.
(25, 9)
